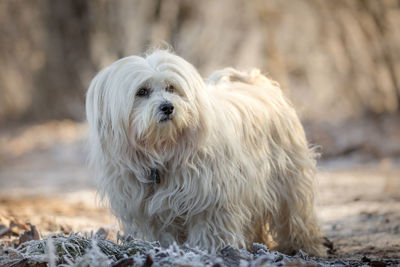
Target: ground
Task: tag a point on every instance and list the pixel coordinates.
(44, 181)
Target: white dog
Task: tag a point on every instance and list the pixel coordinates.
(206, 164)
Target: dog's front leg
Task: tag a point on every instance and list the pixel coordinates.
(213, 231)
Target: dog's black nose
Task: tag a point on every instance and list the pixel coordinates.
(167, 108)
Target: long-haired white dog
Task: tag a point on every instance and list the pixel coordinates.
(206, 164)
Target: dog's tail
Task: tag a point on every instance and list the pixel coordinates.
(232, 75)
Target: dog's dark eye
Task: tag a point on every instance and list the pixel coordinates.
(170, 88)
(143, 92)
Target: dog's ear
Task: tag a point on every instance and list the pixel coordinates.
(106, 114)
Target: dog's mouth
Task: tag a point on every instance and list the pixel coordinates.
(165, 118)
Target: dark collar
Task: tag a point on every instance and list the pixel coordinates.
(155, 176)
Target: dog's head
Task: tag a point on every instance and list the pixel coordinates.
(147, 102)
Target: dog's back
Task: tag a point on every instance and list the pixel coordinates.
(232, 75)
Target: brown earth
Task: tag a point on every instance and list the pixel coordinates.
(44, 181)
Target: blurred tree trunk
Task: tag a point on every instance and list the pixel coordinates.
(46, 59)
(61, 81)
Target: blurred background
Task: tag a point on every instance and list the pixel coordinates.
(338, 62)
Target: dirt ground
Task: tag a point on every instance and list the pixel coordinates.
(44, 181)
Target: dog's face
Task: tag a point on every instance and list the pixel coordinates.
(152, 102)
(161, 109)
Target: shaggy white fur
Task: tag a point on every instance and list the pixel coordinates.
(231, 156)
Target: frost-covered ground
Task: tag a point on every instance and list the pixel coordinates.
(44, 182)
(77, 250)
